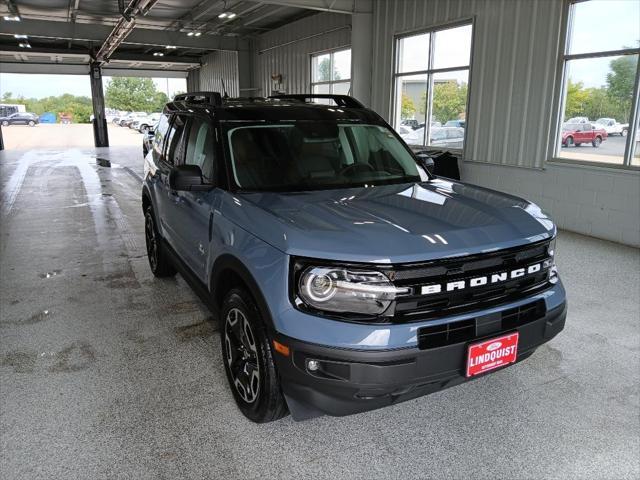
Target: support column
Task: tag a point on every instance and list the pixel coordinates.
(100, 134)
(361, 56)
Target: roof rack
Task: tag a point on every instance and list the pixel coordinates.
(341, 100)
(213, 98)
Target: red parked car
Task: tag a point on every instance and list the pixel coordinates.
(579, 133)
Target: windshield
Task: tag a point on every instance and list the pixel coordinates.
(317, 155)
(567, 127)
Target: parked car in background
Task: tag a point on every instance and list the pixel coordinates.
(455, 123)
(579, 133)
(411, 123)
(143, 124)
(128, 119)
(578, 120)
(612, 127)
(442, 137)
(20, 118)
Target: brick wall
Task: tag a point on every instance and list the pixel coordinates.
(602, 202)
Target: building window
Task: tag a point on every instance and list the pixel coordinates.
(599, 105)
(331, 72)
(431, 81)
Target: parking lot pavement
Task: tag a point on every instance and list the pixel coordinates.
(57, 135)
(107, 372)
(610, 151)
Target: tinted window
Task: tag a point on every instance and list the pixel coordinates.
(174, 145)
(161, 131)
(200, 148)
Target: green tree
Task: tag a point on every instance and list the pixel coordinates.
(576, 100)
(620, 84)
(407, 108)
(132, 94)
(449, 101)
(324, 71)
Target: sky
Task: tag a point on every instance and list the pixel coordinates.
(39, 86)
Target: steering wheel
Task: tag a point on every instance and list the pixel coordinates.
(354, 167)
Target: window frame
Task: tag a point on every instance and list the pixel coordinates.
(560, 100)
(430, 72)
(330, 83)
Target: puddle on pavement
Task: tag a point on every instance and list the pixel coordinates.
(74, 358)
(182, 307)
(125, 279)
(103, 162)
(203, 329)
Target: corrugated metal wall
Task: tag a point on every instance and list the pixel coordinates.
(216, 67)
(514, 57)
(292, 60)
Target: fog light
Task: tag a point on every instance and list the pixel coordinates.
(313, 365)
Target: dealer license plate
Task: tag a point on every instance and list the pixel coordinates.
(491, 354)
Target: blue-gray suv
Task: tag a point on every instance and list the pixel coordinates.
(345, 276)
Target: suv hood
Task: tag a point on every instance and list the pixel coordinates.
(390, 224)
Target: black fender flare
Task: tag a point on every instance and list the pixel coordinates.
(230, 262)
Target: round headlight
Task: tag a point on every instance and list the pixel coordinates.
(320, 287)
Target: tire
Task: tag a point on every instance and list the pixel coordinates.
(569, 142)
(578, 144)
(596, 142)
(5, 123)
(156, 251)
(143, 129)
(248, 360)
(32, 123)
(144, 151)
(624, 133)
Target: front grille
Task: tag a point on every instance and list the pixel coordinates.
(466, 330)
(418, 306)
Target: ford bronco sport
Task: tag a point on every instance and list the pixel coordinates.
(345, 276)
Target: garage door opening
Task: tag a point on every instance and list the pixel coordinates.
(55, 111)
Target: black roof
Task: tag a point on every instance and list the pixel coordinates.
(280, 108)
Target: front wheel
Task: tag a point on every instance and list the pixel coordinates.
(623, 133)
(32, 123)
(248, 360)
(5, 123)
(158, 260)
(569, 142)
(596, 142)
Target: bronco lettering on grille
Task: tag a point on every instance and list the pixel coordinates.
(482, 280)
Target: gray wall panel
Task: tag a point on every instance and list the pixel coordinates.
(216, 67)
(313, 34)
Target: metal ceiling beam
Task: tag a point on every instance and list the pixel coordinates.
(124, 27)
(140, 36)
(261, 15)
(336, 6)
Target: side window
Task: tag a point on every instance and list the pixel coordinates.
(161, 131)
(174, 144)
(201, 148)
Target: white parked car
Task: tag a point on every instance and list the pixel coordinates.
(612, 127)
(145, 123)
(443, 137)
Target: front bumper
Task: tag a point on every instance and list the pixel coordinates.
(351, 381)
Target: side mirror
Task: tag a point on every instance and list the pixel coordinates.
(187, 178)
(426, 161)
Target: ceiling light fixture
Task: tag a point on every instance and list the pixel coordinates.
(158, 54)
(227, 15)
(12, 18)
(222, 15)
(231, 15)
(21, 37)
(24, 45)
(170, 47)
(191, 34)
(197, 34)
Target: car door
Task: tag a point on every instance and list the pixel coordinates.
(196, 209)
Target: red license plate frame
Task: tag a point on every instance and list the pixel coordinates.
(492, 353)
